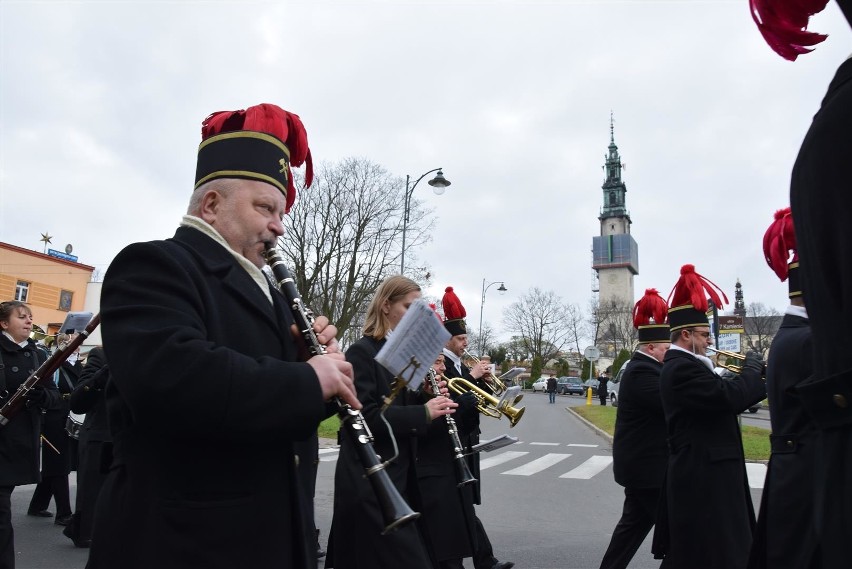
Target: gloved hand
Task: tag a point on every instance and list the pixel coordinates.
(36, 397)
(753, 366)
(467, 403)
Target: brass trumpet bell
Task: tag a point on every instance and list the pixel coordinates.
(493, 382)
(486, 403)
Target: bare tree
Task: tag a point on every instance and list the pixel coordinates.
(761, 324)
(344, 238)
(574, 327)
(612, 323)
(488, 339)
(538, 319)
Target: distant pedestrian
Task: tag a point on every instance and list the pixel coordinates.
(602, 382)
(551, 387)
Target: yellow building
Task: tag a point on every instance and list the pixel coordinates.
(51, 285)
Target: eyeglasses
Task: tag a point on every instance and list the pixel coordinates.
(702, 334)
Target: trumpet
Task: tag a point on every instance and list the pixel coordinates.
(486, 403)
(494, 383)
(733, 355)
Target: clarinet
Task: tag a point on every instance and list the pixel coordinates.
(395, 511)
(16, 402)
(463, 474)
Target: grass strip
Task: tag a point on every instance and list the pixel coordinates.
(755, 439)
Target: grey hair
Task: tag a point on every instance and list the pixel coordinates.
(221, 185)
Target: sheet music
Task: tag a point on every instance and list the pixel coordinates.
(75, 322)
(512, 373)
(414, 344)
(493, 444)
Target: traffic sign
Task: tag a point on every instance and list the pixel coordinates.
(592, 354)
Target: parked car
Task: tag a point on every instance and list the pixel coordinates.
(540, 384)
(590, 384)
(569, 385)
(614, 383)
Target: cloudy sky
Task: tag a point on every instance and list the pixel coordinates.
(101, 105)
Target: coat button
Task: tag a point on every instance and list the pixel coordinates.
(14, 368)
(840, 400)
(789, 443)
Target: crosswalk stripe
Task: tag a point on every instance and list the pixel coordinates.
(756, 474)
(581, 445)
(592, 466)
(546, 444)
(328, 450)
(500, 459)
(538, 464)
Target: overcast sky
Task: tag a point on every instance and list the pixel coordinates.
(101, 105)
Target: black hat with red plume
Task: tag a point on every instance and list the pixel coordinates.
(779, 249)
(688, 299)
(454, 313)
(649, 318)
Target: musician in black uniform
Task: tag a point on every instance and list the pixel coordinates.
(356, 539)
(209, 387)
(785, 537)
(706, 515)
(639, 448)
(454, 314)
(821, 204)
(58, 457)
(95, 445)
(19, 439)
(447, 523)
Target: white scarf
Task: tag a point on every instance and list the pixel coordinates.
(703, 359)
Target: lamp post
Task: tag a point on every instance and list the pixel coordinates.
(439, 183)
(502, 289)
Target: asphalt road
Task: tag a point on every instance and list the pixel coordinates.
(549, 501)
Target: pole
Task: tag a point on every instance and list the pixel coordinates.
(481, 306)
(405, 222)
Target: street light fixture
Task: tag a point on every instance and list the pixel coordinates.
(439, 184)
(501, 290)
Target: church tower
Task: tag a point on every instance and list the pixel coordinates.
(615, 254)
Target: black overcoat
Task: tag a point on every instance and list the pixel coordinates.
(639, 448)
(63, 462)
(785, 535)
(19, 439)
(822, 203)
(468, 420)
(706, 514)
(355, 541)
(88, 398)
(447, 510)
(205, 400)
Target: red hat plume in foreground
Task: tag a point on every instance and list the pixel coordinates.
(453, 309)
(650, 307)
(692, 288)
(783, 23)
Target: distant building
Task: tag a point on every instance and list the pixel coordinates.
(52, 285)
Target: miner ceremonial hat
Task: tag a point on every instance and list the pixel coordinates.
(779, 250)
(649, 318)
(688, 301)
(454, 313)
(783, 25)
(259, 143)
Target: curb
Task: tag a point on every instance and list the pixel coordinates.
(593, 427)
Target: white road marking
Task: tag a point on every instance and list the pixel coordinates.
(538, 464)
(581, 445)
(592, 466)
(500, 459)
(546, 444)
(756, 474)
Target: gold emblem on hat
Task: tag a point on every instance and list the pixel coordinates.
(284, 167)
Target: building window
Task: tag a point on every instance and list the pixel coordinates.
(65, 298)
(22, 291)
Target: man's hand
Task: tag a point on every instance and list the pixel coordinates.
(479, 370)
(325, 333)
(754, 365)
(36, 397)
(336, 378)
(440, 406)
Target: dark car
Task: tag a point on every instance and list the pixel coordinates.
(591, 384)
(569, 385)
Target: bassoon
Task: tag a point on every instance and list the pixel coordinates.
(395, 511)
(40, 376)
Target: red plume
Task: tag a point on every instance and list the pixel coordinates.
(778, 241)
(783, 25)
(650, 306)
(434, 308)
(453, 309)
(690, 289)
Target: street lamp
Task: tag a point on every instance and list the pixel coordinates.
(501, 290)
(439, 183)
